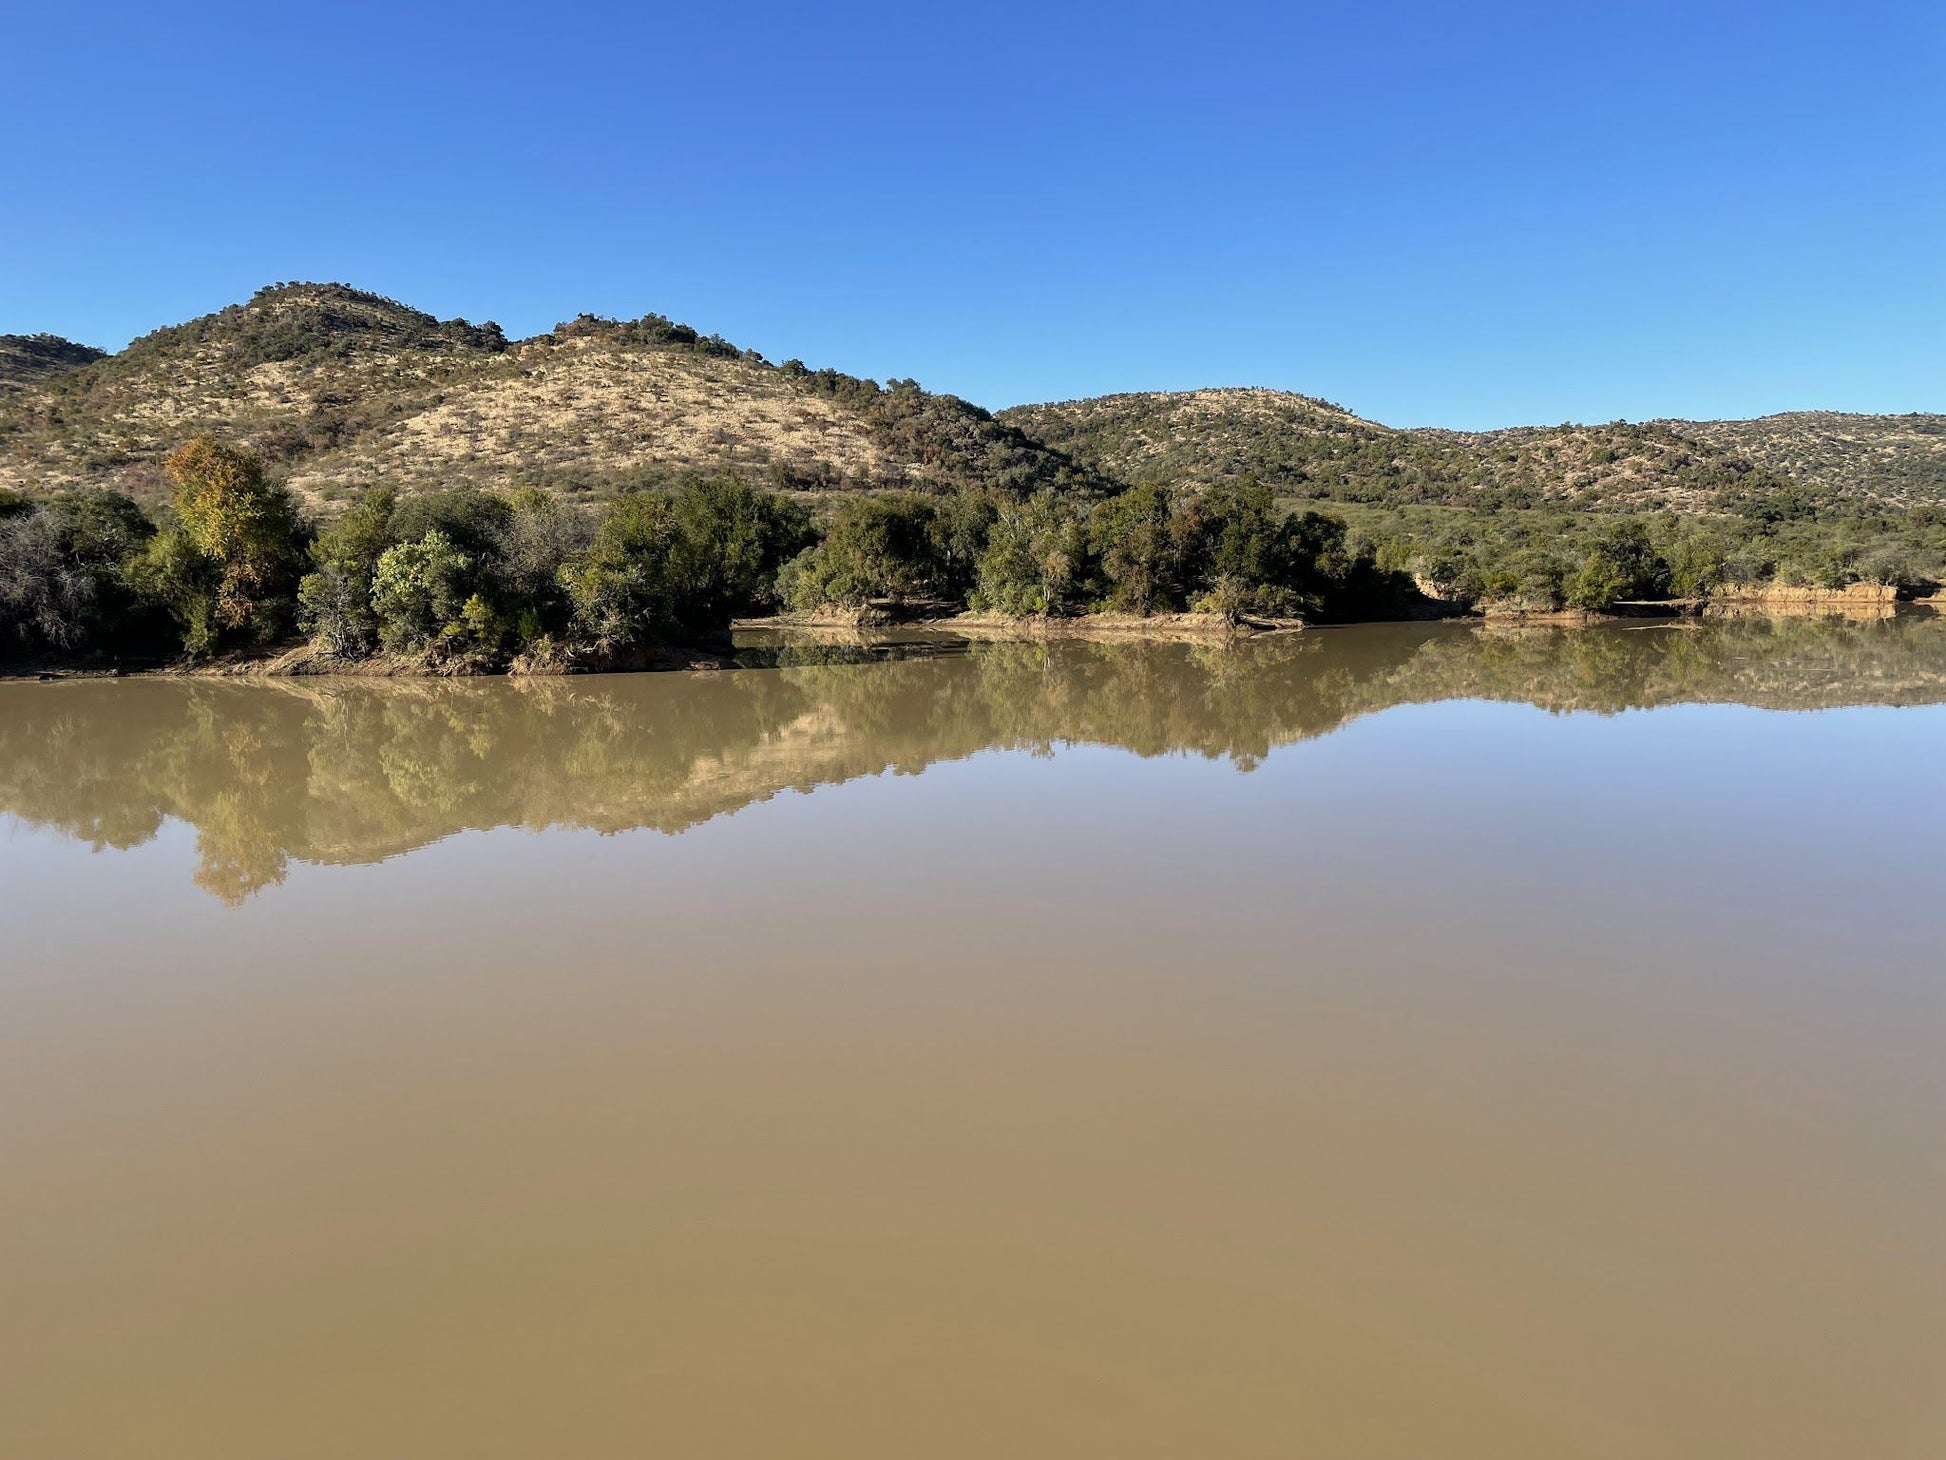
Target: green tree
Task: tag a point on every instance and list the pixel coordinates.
(1147, 541)
(875, 549)
(625, 589)
(426, 598)
(731, 543)
(63, 584)
(228, 566)
(335, 597)
(1600, 582)
(1035, 561)
(1698, 565)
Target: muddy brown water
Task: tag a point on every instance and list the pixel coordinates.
(1391, 1042)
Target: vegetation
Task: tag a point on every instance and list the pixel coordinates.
(381, 480)
(63, 582)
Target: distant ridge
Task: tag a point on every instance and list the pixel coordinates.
(29, 359)
(1308, 447)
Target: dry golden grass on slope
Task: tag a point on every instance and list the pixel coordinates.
(577, 414)
(340, 389)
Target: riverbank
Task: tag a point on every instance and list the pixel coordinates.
(301, 661)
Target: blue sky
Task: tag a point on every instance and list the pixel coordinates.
(1438, 214)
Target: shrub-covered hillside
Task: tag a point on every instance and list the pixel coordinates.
(1304, 447)
(30, 359)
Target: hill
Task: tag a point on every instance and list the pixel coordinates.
(1306, 447)
(340, 388)
(29, 359)
(1897, 460)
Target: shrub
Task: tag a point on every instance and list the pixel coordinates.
(63, 582)
(623, 591)
(874, 549)
(731, 542)
(1148, 541)
(1035, 561)
(335, 598)
(426, 598)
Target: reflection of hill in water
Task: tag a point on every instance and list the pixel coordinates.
(344, 772)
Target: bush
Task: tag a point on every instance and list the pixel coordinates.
(875, 549)
(731, 543)
(1148, 541)
(63, 575)
(227, 567)
(624, 590)
(426, 598)
(1699, 564)
(335, 598)
(1035, 561)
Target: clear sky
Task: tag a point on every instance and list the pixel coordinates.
(1437, 214)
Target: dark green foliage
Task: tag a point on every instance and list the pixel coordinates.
(1147, 542)
(687, 562)
(310, 323)
(879, 549)
(624, 589)
(26, 359)
(732, 543)
(472, 519)
(63, 581)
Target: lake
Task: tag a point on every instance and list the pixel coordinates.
(1400, 1041)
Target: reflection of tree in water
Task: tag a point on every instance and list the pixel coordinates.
(339, 772)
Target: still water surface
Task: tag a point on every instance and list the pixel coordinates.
(1392, 1042)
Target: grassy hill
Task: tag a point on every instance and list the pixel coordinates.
(339, 388)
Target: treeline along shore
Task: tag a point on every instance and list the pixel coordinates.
(477, 581)
(230, 570)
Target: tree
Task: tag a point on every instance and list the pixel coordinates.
(1600, 582)
(1147, 541)
(63, 583)
(874, 549)
(731, 541)
(335, 598)
(425, 597)
(1036, 558)
(1698, 565)
(624, 591)
(228, 566)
